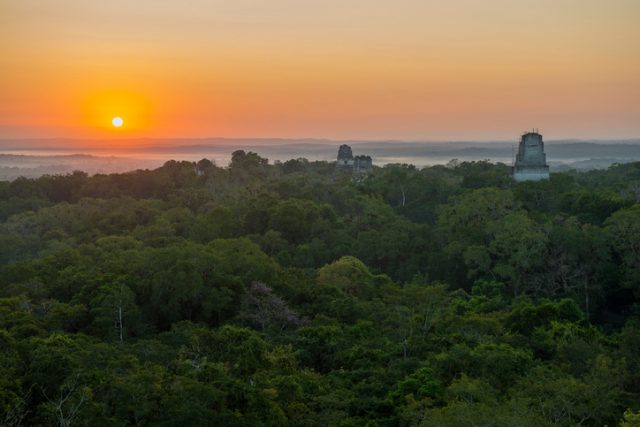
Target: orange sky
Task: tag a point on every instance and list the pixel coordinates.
(400, 69)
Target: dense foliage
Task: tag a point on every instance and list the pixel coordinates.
(286, 294)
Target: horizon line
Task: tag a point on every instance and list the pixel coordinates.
(293, 139)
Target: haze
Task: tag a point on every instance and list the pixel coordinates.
(402, 69)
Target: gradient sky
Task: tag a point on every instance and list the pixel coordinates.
(385, 69)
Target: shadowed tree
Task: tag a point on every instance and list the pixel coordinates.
(263, 308)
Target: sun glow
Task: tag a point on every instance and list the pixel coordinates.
(120, 112)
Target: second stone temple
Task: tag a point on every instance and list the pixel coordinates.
(531, 161)
(347, 162)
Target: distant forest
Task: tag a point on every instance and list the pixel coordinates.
(288, 294)
(35, 158)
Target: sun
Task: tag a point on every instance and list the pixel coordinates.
(117, 122)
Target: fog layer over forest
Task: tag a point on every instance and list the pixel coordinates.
(34, 158)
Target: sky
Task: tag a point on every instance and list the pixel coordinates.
(337, 69)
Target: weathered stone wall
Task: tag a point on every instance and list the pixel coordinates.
(531, 150)
(531, 174)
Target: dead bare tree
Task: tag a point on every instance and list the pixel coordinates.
(15, 416)
(66, 405)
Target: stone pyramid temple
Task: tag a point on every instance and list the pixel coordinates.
(531, 161)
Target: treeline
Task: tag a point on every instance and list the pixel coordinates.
(287, 294)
